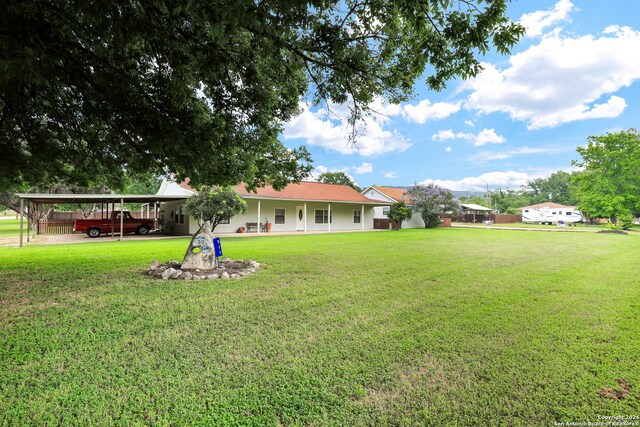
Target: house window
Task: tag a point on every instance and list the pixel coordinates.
(279, 215)
(386, 210)
(225, 221)
(322, 216)
(180, 215)
(356, 217)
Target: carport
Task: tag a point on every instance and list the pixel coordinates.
(33, 202)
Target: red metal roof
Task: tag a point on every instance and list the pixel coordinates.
(304, 191)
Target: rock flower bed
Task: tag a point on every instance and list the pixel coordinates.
(228, 269)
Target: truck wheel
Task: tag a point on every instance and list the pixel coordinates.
(93, 232)
(143, 230)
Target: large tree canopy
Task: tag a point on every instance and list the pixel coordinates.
(338, 178)
(432, 201)
(558, 187)
(609, 185)
(201, 89)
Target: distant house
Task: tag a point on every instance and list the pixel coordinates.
(392, 195)
(306, 206)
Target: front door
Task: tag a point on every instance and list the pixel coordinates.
(300, 218)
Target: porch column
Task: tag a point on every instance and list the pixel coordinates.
(21, 219)
(305, 217)
(329, 218)
(113, 220)
(258, 217)
(121, 217)
(362, 219)
(29, 212)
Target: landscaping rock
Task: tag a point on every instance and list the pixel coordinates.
(200, 253)
(228, 269)
(166, 275)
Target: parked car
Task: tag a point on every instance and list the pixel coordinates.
(96, 227)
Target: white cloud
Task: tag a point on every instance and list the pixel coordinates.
(469, 123)
(448, 149)
(488, 136)
(561, 80)
(325, 130)
(536, 22)
(390, 175)
(363, 168)
(498, 179)
(425, 110)
(510, 179)
(486, 156)
(485, 136)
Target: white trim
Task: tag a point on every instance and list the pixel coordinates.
(258, 223)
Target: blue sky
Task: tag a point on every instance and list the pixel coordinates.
(576, 73)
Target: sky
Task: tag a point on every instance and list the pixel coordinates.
(575, 74)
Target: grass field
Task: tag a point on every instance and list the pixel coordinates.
(10, 227)
(417, 327)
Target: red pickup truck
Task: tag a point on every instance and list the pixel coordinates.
(95, 227)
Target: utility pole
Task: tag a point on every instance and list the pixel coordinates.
(488, 197)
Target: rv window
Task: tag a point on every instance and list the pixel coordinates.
(526, 210)
(553, 213)
(568, 213)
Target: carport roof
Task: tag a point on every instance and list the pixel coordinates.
(97, 198)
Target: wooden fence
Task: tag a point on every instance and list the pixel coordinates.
(496, 218)
(60, 226)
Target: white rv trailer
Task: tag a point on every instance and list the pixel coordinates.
(551, 215)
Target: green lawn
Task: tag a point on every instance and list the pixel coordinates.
(578, 225)
(10, 227)
(417, 327)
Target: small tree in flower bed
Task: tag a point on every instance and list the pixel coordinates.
(398, 212)
(432, 201)
(215, 204)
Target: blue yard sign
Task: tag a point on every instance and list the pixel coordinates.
(217, 246)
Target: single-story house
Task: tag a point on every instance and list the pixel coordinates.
(305, 206)
(391, 195)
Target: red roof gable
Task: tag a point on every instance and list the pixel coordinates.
(397, 194)
(309, 191)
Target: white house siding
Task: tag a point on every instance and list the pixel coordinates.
(170, 218)
(414, 222)
(342, 214)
